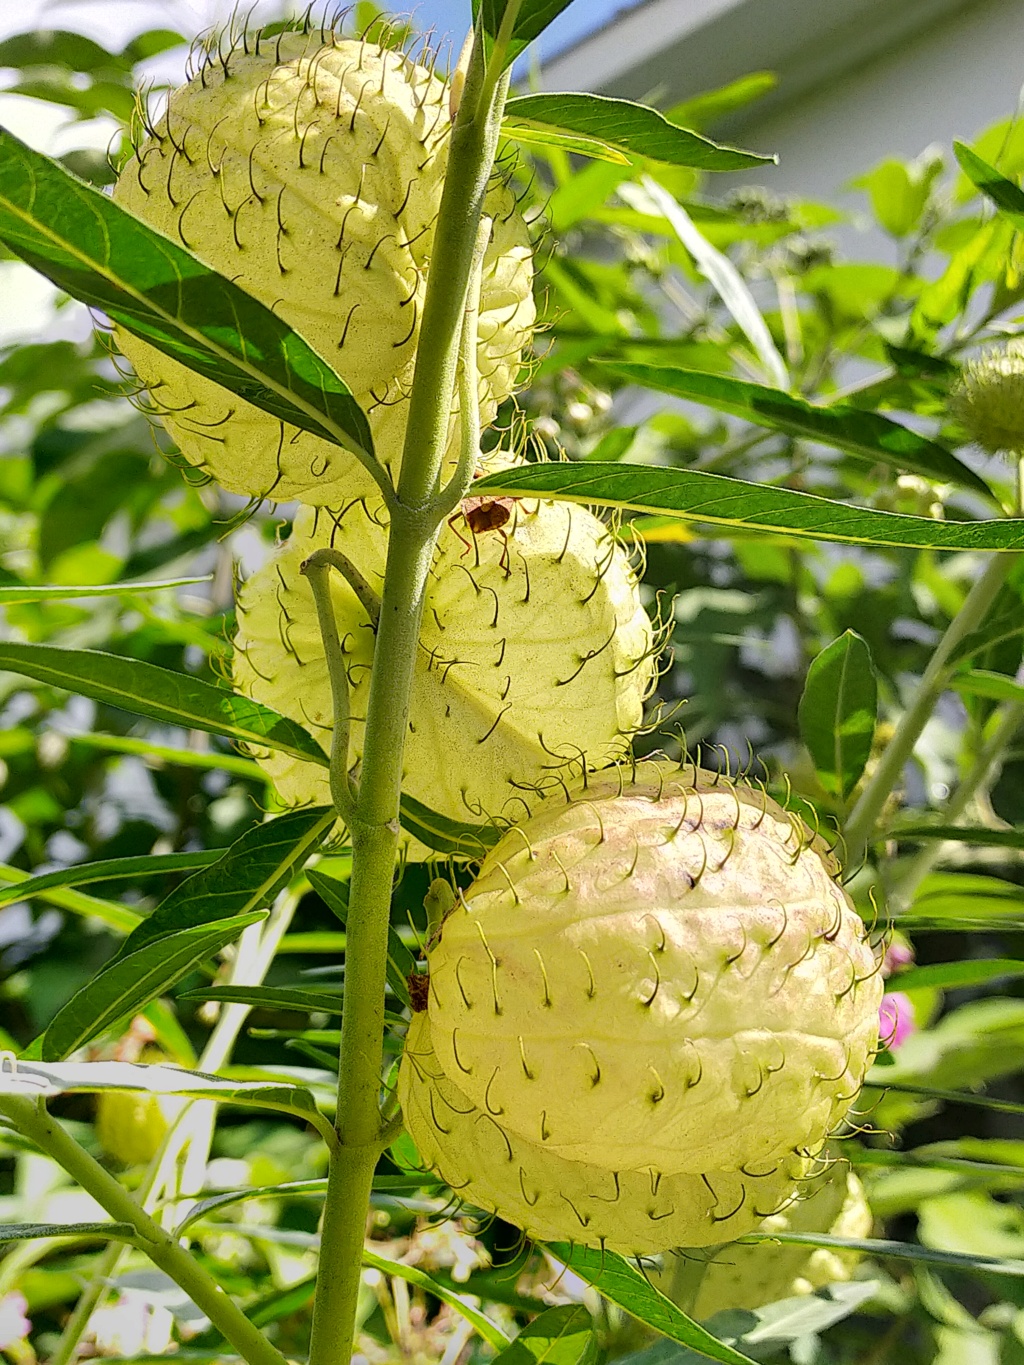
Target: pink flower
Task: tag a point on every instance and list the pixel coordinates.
(896, 1020)
(897, 956)
(14, 1325)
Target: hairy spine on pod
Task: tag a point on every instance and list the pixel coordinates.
(536, 655)
(309, 167)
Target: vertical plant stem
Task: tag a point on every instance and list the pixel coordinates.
(248, 969)
(31, 1118)
(861, 824)
(374, 821)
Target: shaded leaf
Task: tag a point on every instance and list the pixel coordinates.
(98, 253)
(128, 983)
(619, 1281)
(532, 19)
(838, 711)
(529, 136)
(487, 1329)
(628, 127)
(980, 682)
(244, 878)
(157, 693)
(720, 501)
(15, 595)
(443, 834)
(902, 1251)
(108, 869)
(558, 1336)
(980, 835)
(401, 963)
(271, 997)
(867, 435)
(1007, 197)
(995, 1106)
(25, 1232)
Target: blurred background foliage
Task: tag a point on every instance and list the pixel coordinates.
(87, 497)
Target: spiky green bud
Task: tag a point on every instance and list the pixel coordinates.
(988, 398)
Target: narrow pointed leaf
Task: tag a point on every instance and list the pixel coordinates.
(401, 963)
(98, 253)
(245, 878)
(108, 869)
(488, 1330)
(559, 1336)
(158, 694)
(623, 1284)
(979, 682)
(838, 711)
(902, 1251)
(443, 834)
(117, 917)
(1007, 197)
(630, 128)
(532, 135)
(868, 435)
(127, 984)
(717, 500)
(950, 976)
(271, 997)
(532, 19)
(995, 1106)
(26, 1232)
(980, 835)
(11, 596)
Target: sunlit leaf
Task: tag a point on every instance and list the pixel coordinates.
(559, 1336)
(13, 596)
(108, 869)
(1007, 197)
(717, 500)
(949, 976)
(488, 1330)
(26, 1232)
(627, 127)
(157, 693)
(837, 712)
(531, 18)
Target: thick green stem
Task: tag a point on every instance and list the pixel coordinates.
(374, 820)
(31, 1118)
(864, 816)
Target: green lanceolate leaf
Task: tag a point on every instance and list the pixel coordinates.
(980, 682)
(837, 712)
(246, 878)
(950, 976)
(490, 1331)
(530, 135)
(158, 694)
(443, 834)
(967, 1097)
(1006, 196)
(983, 837)
(903, 1251)
(125, 985)
(717, 500)
(26, 1232)
(97, 252)
(558, 1336)
(271, 997)
(623, 1284)
(529, 19)
(626, 127)
(867, 435)
(11, 596)
(401, 963)
(117, 917)
(108, 869)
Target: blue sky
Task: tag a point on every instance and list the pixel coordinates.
(581, 17)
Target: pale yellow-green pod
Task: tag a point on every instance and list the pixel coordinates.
(536, 654)
(309, 168)
(635, 1212)
(749, 1276)
(131, 1124)
(988, 398)
(659, 973)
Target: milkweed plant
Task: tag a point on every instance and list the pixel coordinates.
(645, 1001)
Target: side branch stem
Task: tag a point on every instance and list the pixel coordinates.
(864, 816)
(32, 1119)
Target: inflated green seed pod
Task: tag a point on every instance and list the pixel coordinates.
(988, 398)
(131, 1124)
(751, 1276)
(636, 1212)
(535, 650)
(309, 168)
(661, 972)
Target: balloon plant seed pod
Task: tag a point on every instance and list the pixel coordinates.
(131, 1124)
(749, 1276)
(551, 1198)
(308, 168)
(988, 398)
(535, 655)
(659, 974)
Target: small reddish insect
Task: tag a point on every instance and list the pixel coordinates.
(484, 514)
